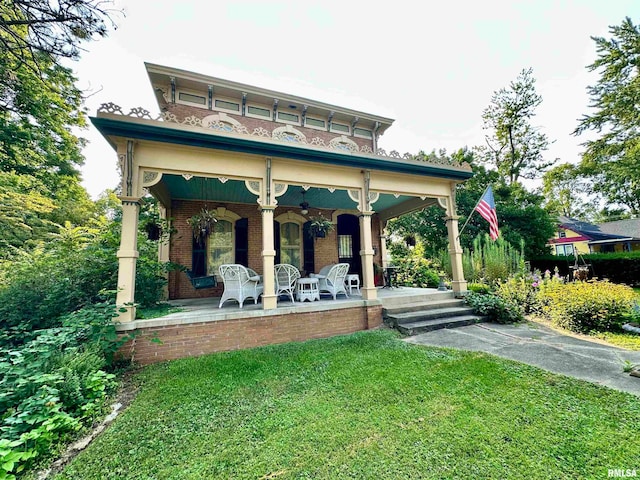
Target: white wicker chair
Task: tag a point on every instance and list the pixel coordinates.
(286, 276)
(331, 279)
(239, 284)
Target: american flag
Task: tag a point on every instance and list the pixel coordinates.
(487, 209)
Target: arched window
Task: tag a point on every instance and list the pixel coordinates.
(227, 243)
(220, 246)
(291, 244)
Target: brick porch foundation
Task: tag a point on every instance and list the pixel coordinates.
(169, 342)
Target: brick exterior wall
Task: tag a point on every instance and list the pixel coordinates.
(181, 246)
(183, 111)
(179, 341)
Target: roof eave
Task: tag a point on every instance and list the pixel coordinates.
(150, 130)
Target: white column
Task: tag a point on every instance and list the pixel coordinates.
(269, 299)
(127, 258)
(368, 289)
(459, 285)
(163, 247)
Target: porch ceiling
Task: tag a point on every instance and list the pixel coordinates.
(235, 191)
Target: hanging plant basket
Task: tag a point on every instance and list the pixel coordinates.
(320, 226)
(154, 231)
(202, 224)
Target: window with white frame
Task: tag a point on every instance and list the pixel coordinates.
(286, 117)
(566, 249)
(339, 127)
(313, 122)
(191, 98)
(362, 132)
(256, 111)
(562, 233)
(226, 105)
(291, 244)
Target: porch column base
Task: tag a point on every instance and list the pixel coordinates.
(269, 302)
(459, 288)
(369, 293)
(126, 313)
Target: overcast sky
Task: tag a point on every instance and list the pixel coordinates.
(431, 66)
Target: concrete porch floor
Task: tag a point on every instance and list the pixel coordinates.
(197, 310)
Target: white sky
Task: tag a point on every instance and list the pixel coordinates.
(432, 66)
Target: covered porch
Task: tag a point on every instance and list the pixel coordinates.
(200, 327)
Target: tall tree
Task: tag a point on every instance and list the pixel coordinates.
(515, 147)
(613, 159)
(520, 215)
(40, 109)
(31, 28)
(563, 188)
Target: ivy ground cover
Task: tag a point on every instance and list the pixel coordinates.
(365, 405)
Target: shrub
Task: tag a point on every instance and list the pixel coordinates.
(481, 288)
(497, 309)
(520, 289)
(417, 271)
(586, 306)
(54, 383)
(41, 287)
(488, 261)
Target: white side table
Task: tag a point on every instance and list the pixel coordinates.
(307, 289)
(352, 281)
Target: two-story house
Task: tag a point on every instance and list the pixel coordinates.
(265, 163)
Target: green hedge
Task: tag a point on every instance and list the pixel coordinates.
(616, 267)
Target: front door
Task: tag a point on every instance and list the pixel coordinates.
(349, 242)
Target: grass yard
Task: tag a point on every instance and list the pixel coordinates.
(365, 405)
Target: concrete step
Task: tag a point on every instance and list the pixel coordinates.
(415, 328)
(429, 314)
(402, 299)
(422, 305)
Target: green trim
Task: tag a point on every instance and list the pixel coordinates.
(156, 133)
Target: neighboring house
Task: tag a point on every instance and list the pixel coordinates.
(575, 236)
(265, 162)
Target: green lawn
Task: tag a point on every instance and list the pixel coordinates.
(363, 406)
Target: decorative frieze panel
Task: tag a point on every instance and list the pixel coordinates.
(283, 134)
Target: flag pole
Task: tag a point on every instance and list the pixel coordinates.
(472, 211)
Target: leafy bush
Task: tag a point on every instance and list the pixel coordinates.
(54, 383)
(415, 270)
(497, 309)
(68, 275)
(586, 306)
(520, 289)
(482, 288)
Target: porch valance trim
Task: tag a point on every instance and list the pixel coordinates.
(164, 134)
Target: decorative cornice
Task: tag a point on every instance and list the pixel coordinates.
(282, 134)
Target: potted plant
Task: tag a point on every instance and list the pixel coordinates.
(202, 223)
(320, 226)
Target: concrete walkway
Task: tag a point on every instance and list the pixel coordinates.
(543, 347)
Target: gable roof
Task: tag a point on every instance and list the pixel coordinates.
(603, 232)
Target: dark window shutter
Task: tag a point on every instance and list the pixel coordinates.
(308, 251)
(242, 241)
(199, 258)
(276, 241)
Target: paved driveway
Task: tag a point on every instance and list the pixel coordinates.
(543, 347)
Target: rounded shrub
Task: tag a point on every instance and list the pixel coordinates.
(586, 306)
